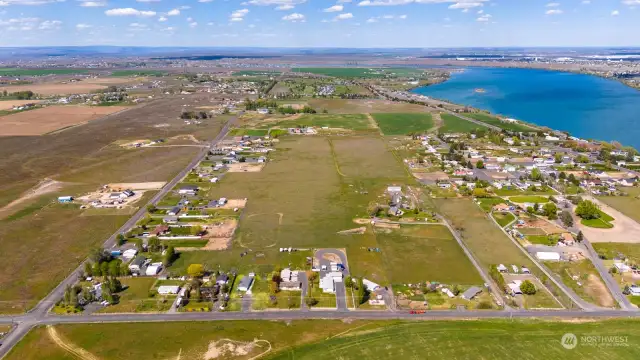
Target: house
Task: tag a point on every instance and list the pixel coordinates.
(65, 199)
(515, 269)
(128, 193)
(168, 290)
(174, 211)
(129, 254)
(567, 239)
(117, 196)
(328, 282)
(548, 255)
(222, 279)
(634, 290)
(170, 219)
(471, 293)
(153, 269)
(514, 287)
(502, 207)
(214, 180)
(370, 285)
(394, 189)
(444, 185)
(188, 190)
(396, 198)
(525, 270)
(160, 230)
(245, 283)
(395, 211)
(501, 268)
(263, 111)
(136, 265)
(290, 280)
(622, 267)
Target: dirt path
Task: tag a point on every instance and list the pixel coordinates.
(372, 121)
(44, 187)
(74, 350)
(437, 122)
(599, 291)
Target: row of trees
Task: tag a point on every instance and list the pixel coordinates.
(20, 95)
(192, 115)
(290, 110)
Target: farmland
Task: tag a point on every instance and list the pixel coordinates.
(403, 124)
(9, 104)
(491, 120)
(56, 88)
(39, 72)
(344, 106)
(358, 122)
(418, 253)
(628, 205)
(529, 199)
(588, 285)
(360, 72)
(453, 124)
(320, 339)
(48, 119)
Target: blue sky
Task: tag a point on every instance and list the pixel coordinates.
(321, 23)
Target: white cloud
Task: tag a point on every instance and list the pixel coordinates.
(173, 12)
(343, 1)
(50, 25)
(384, 2)
(28, 2)
(83, 26)
(129, 12)
(99, 3)
(147, 1)
(193, 24)
(162, 18)
(275, 2)
(295, 17)
(205, 1)
(484, 18)
(285, 7)
(455, 4)
(553, 4)
(238, 15)
(554, 12)
(372, 20)
(465, 5)
(334, 8)
(480, 11)
(615, 13)
(344, 16)
(631, 2)
(586, 2)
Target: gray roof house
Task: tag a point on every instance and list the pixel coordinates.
(471, 293)
(245, 283)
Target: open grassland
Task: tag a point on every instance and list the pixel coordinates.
(50, 118)
(357, 122)
(328, 339)
(503, 219)
(453, 124)
(45, 246)
(419, 253)
(602, 222)
(628, 205)
(118, 73)
(487, 243)
(365, 158)
(47, 89)
(621, 250)
(344, 106)
(589, 285)
(492, 120)
(403, 124)
(529, 199)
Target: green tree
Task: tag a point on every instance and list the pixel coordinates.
(567, 218)
(104, 268)
(153, 244)
(195, 270)
(195, 230)
(528, 288)
(169, 256)
(120, 239)
(550, 210)
(558, 158)
(88, 271)
(114, 268)
(480, 193)
(362, 292)
(587, 210)
(96, 270)
(580, 236)
(536, 175)
(311, 301)
(480, 164)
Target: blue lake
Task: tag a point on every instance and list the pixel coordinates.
(586, 106)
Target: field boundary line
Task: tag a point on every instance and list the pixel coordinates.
(335, 158)
(74, 350)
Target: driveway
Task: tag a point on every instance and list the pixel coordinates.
(324, 257)
(302, 276)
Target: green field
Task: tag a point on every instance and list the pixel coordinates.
(403, 124)
(503, 219)
(256, 73)
(628, 205)
(488, 203)
(453, 124)
(529, 199)
(491, 120)
(623, 250)
(39, 72)
(136, 297)
(328, 339)
(249, 132)
(603, 222)
(419, 253)
(120, 73)
(356, 122)
(361, 72)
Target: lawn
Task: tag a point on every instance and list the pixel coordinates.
(249, 132)
(136, 297)
(419, 253)
(541, 239)
(529, 199)
(589, 285)
(355, 122)
(488, 203)
(624, 250)
(492, 120)
(603, 222)
(403, 124)
(453, 124)
(325, 300)
(321, 339)
(503, 219)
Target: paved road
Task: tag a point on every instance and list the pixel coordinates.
(43, 307)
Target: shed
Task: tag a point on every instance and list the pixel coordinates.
(174, 211)
(137, 263)
(168, 289)
(65, 199)
(245, 283)
(548, 255)
(471, 293)
(154, 269)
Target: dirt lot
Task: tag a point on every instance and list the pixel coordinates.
(624, 230)
(44, 120)
(45, 187)
(234, 203)
(9, 104)
(244, 167)
(154, 185)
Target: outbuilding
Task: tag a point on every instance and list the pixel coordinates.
(168, 290)
(548, 255)
(471, 293)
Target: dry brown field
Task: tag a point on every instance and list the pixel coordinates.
(9, 104)
(45, 120)
(56, 88)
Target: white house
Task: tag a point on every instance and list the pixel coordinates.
(514, 287)
(153, 269)
(328, 282)
(168, 290)
(548, 255)
(370, 285)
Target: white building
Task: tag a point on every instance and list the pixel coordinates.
(328, 282)
(548, 255)
(153, 269)
(168, 290)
